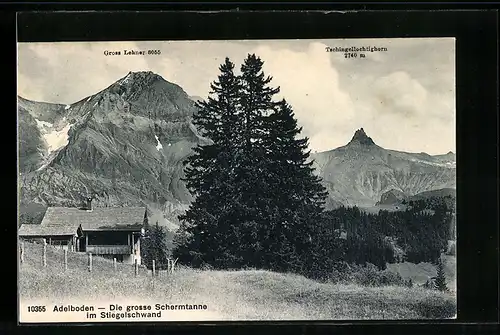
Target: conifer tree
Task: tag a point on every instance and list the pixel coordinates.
(297, 192)
(256, 99)
(254, 210)
(441, 278)
(217, 120)
(210, 171)
(256, 197)
(154, 247)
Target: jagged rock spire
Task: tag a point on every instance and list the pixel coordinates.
(360, 137)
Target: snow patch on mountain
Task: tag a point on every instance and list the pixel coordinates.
(42, 125)
(42, 167)
(158, 146)
(57, 139)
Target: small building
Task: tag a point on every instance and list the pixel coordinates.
(111, 232)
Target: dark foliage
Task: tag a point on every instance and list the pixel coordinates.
(348, 235)
(257, 199)
(154, 247)
(440, 281)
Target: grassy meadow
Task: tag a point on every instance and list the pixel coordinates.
(229, 295)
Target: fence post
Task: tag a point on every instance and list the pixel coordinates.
(173, 264)
(44, 253)
(90, 262)
(136, 267)
(22, 252)
(65, 259)
(114, 263)
(154, 268)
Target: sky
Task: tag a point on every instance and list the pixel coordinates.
(403, 97)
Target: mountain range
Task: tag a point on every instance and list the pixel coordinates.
(361, 172)
(126, 143)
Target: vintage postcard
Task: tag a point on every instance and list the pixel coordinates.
(238, 180)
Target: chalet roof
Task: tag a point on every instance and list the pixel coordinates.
(65, 221)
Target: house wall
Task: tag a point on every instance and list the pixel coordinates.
(136, 252)
(108, 239)
(137, 247)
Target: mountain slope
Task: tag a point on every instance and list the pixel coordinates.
(444, 192)
(125, 144)
(36, 132)
(361, 171)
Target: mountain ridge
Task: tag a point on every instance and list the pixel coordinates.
(126, 144)
(359, 172)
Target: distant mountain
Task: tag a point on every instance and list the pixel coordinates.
(361, 172)
(126, 144)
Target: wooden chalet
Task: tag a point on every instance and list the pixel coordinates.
(111, 232)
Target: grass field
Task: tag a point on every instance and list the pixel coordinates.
(230, 295)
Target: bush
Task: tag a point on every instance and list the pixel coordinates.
(367, 275)
(154, 247)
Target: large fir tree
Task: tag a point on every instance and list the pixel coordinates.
(255, 205)
(298, 194)
(257, 199)
(209, 173)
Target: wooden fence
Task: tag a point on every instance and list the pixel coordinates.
(154, 271)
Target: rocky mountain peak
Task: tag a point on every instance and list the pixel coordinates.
(360, 137)
(139, 78)
(144, 75)
(148, 93)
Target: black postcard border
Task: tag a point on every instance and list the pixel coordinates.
(477, 108)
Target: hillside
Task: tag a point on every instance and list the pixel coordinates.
(247, 295)
(444, 192)
(395, 197)
(360, 172)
